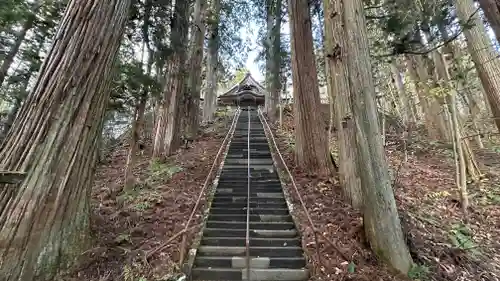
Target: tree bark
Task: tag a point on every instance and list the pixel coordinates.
(491, 9)
(311, 146)
(381, 220)
(9, 58)
(276, 62)
(483, 55)
(45, 220)
(161, 119)
(273, 57)
(177, 77)
(140, 104)
(435, 123)
(210, 102)
(137, 125)
(268, 44)
(453, 71)
(404, 101)
(170, 121)
(338, 88)
(192, 102)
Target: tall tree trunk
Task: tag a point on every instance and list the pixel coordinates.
(435, 122)
(9, 58)
(273, 57)
(170, 121)
(268, 49)
(338, 89)
(404, 101)
(161, 119)
(192, 103)
(465, 155)
(491, 9)
(140, 107)
(450, 52)
(210, 102)
(274, 94)
(137, 125)
(44, 226)
(177, 77)
(460, 162)
(483, 55)
(381, 220)
(311, 146)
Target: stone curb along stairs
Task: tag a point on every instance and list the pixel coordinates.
(275, 252)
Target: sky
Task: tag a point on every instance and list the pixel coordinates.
(252, 66)
(251, 33)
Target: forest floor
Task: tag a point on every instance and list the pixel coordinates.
(131, 228)
(440, 242)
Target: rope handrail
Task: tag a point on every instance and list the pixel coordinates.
(294, 184)
(247, 235)
(205, 184)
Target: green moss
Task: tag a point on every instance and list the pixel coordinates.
(162, 171)
(419, 272)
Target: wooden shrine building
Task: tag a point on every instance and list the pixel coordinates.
(247, 92)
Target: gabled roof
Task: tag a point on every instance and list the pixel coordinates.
(247, 81)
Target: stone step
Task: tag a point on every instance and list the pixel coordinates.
(239, 192)
(255, 233)
(242, 168)
(254, 251)
(243, 149)
(254, 190)
(271, 179)
(240, 146)
(236, 199)
(244, 155)
(242, 163)
(269, 167)
(261, 242)
(255, 176)
(255, 183)
(255, 262)
(253, 211)
(240, 155)
(241, 174)
(256, 218)
(252, 205)
(270, 274)
(252, 225)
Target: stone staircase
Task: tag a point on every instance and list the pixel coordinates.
(275, 251)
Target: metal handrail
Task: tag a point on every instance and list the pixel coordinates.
(294, 184)
(247, 238)
(205, 184)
